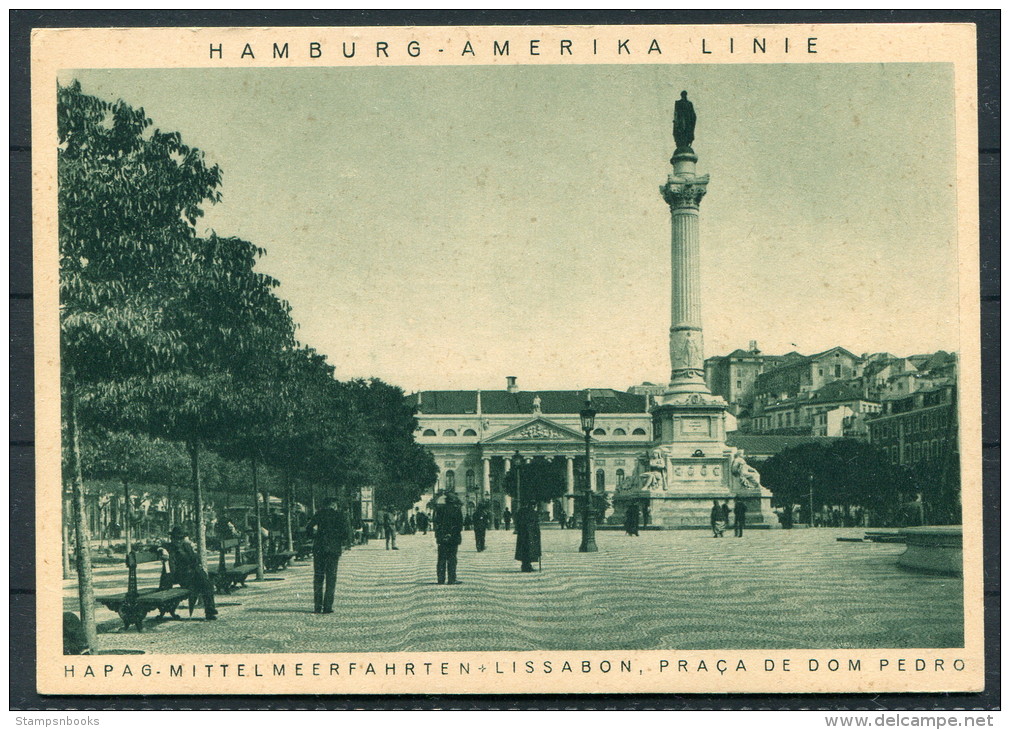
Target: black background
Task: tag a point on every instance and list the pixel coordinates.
(22, 496)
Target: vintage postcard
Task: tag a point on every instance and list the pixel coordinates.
(515, 359)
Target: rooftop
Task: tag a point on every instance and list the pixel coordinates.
(446, 402)
(834, 392)
(755, 444)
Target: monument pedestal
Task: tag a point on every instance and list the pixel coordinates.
(690, 465)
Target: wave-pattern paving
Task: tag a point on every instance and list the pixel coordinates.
(797, 589)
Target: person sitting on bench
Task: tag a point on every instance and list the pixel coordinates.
(189, 573)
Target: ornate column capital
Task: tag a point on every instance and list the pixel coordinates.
(684, 192)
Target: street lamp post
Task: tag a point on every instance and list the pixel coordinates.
(810, 497)
(517, 461)
(588, 418)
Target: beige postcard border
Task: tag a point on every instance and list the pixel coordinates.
(724, 671)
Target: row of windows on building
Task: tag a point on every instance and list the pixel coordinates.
(914, 452)
(787, 419)
(923, 422)
(597, 432)
(471, 479)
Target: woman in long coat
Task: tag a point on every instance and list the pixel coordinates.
(631, 520)
(527, 536)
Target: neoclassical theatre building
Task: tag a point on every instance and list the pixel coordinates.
(476, 435)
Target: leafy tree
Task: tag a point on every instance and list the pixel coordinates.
(215, 392)
(846, 472)
(128, 199)
(537, 480)
(402, 470)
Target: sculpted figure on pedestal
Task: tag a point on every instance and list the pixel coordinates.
(749, 476)
(683, 123)
(650, 473)
(653, 480)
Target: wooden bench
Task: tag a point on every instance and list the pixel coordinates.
(225, 578)
(134, 605)
(275, 559)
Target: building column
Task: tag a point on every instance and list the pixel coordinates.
(569, 485)
(487, 476)
(508, 498)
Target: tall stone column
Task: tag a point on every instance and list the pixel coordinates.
(487, 476)
(683, 192)
(689, 447)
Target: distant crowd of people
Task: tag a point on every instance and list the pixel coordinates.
(330, 532)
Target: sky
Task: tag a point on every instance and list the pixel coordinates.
(443, 228)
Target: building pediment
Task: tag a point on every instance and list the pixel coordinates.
(536, 429)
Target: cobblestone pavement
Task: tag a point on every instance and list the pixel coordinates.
(773, 589)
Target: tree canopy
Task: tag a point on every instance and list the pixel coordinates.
(846, 472)
(177, 345)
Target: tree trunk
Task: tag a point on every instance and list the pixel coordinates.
(288, 499)
(127, 517)
(257, 523)
(171, 507)
(67, 516)
(266, 513)
(201, 534)
(85, 579)
(312, 496)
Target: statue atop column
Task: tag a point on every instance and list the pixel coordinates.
(684, 120)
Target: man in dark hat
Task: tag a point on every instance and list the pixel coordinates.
(527, 536)
(448, 535)
(388, 523)
(329, 531)
(421, 520)
(481, 518)
(739, 517)
(188, 572)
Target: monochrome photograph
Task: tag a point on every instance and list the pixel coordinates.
(418, 377)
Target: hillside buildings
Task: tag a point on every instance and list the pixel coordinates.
(834, 393)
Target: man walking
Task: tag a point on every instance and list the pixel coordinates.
(481, 518)
(507, 517)
(527, 536)
(739, 517)
(328, 529)
(389, 530)
(189, 573)
(421, 520)
(448, 536)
